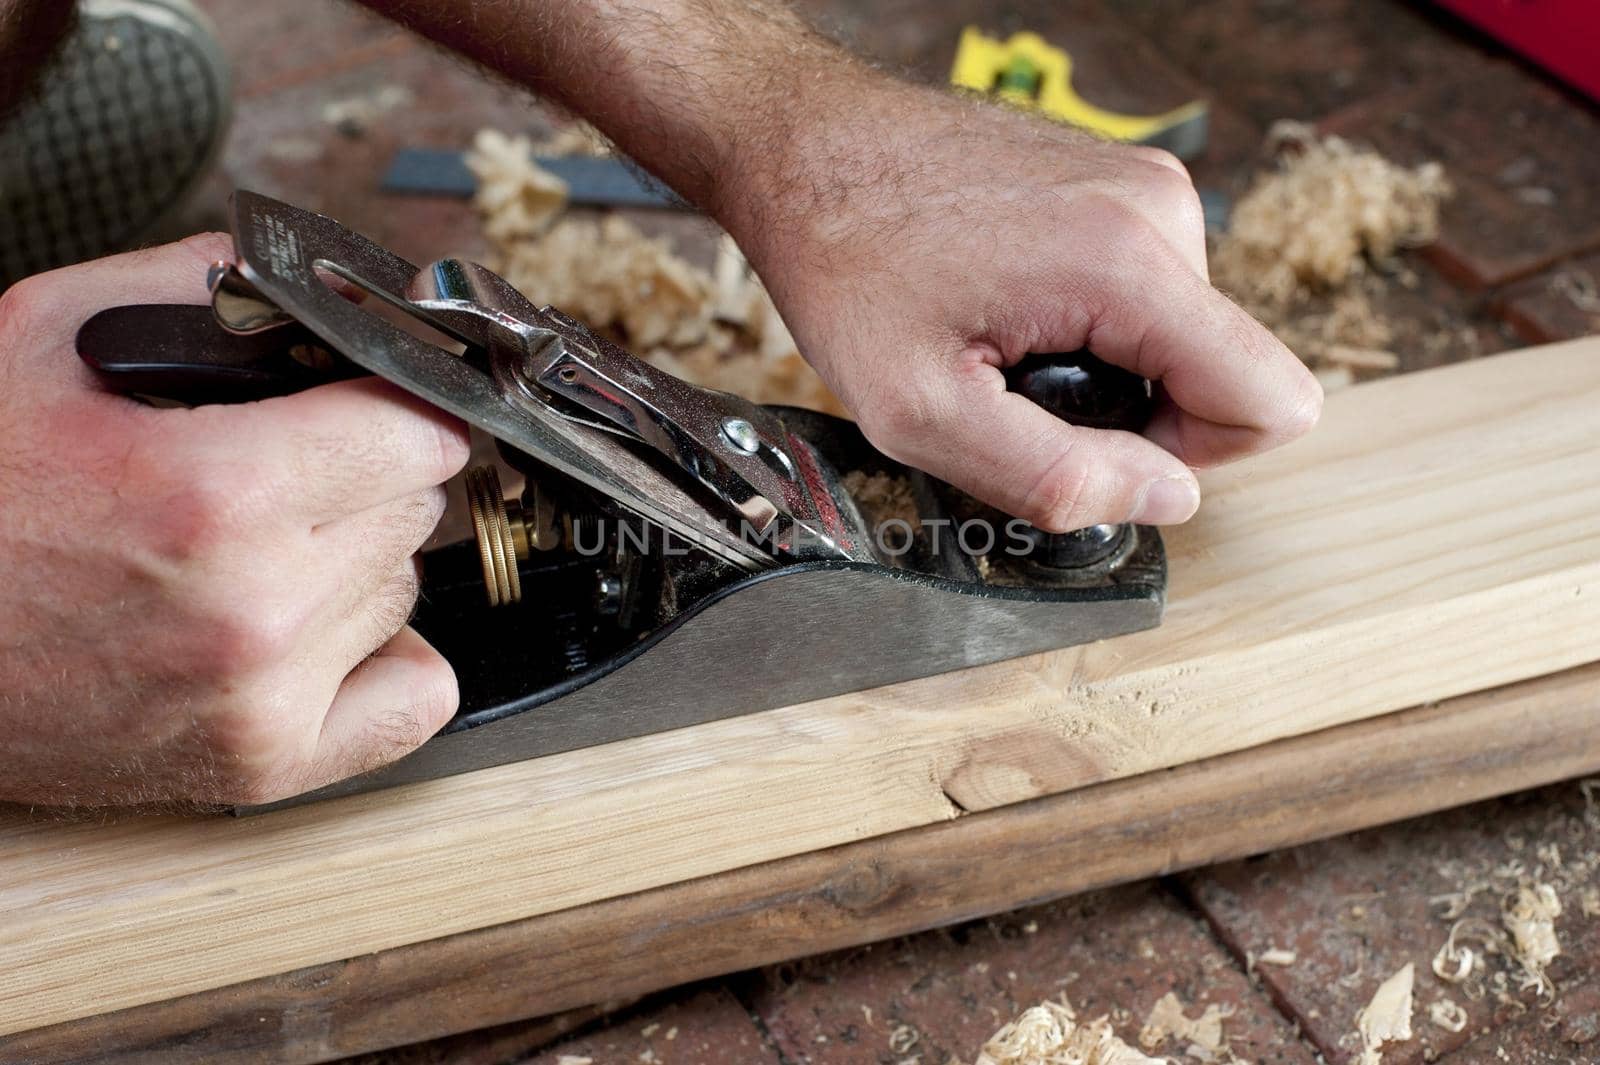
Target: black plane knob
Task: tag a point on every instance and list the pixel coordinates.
(1081, 389)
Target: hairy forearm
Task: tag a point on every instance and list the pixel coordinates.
(716, 97)
(30, 33)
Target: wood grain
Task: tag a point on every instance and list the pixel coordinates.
(1292, 791)
(1439, 534)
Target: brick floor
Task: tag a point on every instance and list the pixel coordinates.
(1356, 909)
(326, 93)
(939, 996)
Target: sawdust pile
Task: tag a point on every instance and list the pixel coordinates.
(1310, 243)
(1050, 1034)
(718, 329)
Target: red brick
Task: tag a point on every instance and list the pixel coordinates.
(1558, 304)
(1113, 952)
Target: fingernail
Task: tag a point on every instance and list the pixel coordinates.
(1167, 501)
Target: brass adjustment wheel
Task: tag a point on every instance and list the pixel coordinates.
(502, 536)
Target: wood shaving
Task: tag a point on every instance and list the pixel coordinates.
(1329, 210)
(1334, 378)
(1446, 1014)
(516, 197)
(1387, 1018)
(1361, 358)
(575, 138)
(1530, 918)
(717, 329)
(883, 498)
(574, 1059)
(1278, 956)
(1303, 240)
(610, 275)
(903, 1038)
(1202, 1034)
(1049, 1034)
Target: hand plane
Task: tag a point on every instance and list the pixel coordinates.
(678, 554)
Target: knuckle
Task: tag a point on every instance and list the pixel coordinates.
(391, 608)
(1057, 501)
(247, 637)
(401, 729)
(209, 247)
(196, 518)
(1129, 235)
(454, 448)
(900, 421)
(1162, 158)
(406, 728)
(24, 305)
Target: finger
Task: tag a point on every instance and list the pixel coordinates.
(1235, 388)
(46, 310)
(386, 707)
(364, 552)
(170, 273)
(1013, 454)
(331, 451)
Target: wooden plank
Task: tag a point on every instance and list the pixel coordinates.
(1437, 535)
(1310, 787)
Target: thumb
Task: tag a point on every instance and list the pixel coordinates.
(169, 273)
(40, 315)
(966, 428)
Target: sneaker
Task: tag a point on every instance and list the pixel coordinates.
(124, 121)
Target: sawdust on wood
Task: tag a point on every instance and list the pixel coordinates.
(1050, 1034)
(716, 328)
(1387, 1018)
(1312, 242)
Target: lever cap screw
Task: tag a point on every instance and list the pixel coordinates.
(741, 435)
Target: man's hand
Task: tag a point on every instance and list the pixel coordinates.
(917, 243)
(917, 255)
(203, 604)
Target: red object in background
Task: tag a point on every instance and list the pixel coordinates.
(1562, 36)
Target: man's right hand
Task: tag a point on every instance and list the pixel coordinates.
(204, 604)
